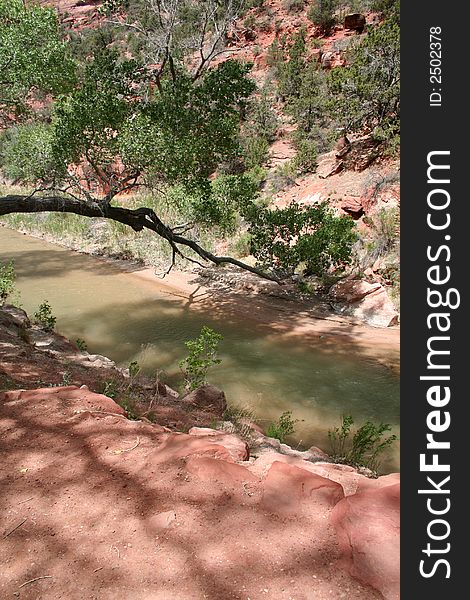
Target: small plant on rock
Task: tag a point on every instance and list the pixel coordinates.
(365, 446)
(7, 281)
(134, 369)
(202, 356)
(81, 345)
(44, 317)
(284, 426)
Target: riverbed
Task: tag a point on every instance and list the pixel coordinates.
(319, 375)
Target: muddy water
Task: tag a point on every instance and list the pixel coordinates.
(128, 318)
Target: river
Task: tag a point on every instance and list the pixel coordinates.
(126, 317)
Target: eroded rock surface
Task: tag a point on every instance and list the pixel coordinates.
(132, 510)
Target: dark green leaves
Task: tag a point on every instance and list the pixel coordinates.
(33, 59)
(311, 237)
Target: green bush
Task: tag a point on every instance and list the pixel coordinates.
(110, 388)
(321, 13)
(366, 94)
(26, 153)
(283, 427)
(306, 158)
(385, 232)
(44, 317)
(241, 247)
(256, 151)
(7, 281)
(314, 236)
(202, 356)
(364, 448)
(134, 369)
(81, 345)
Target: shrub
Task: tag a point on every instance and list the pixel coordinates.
(306, 157)
(202, 356)
(44, 317)
(367, 93)
(256, 151)
(283, 427)
(134, 369)
(365, 446)
(241, 247)
(110, 388)
(26, 153)
(385, 232)
(240, 417)
(314, 236)
(7, 281)
(321, 13)
(81, 344)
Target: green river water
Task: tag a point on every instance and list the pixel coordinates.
(128, 318)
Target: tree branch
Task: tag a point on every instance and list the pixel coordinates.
(138, 219)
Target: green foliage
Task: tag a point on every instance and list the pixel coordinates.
(385, 228)
(283, 427)
(388, 8)
(313, 236)
(189, 129)
(256, 152)
(241, 418)
(367, 93)
(241, 247)
(134, 369)
(261, 120)
(365, 447)
(32, 54)
(7, 280)
(44, 317)
(303, 86)
(259, 129)
(66, 378)
(306, 157)
(282, 177)
(229, 195)
(321, 13)
(26, 152)
(81, 344)
(202, 356)
(110, 388)
(289, 61)
(128, 403)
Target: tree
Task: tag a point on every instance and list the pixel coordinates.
(33, 59)
(367, 92)
(125, 124)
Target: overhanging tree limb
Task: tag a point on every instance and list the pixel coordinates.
(138, 219)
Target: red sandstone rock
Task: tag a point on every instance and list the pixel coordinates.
(66, 400)
(211, 469)
(353, 206)
(368, 302)
(227, 447)
(352, 290)
(286, 488)
(328, 165)
(368, 529)
(376, 309)
(208, 398)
